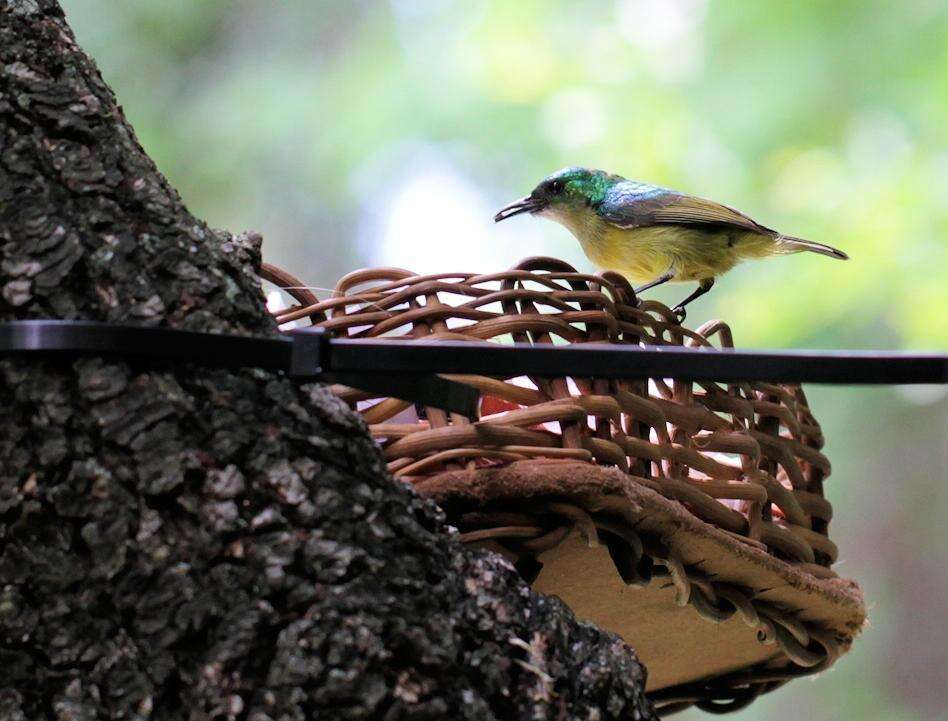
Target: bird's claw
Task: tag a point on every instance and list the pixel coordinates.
(680, 313)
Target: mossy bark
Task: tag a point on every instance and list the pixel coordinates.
(188, 543)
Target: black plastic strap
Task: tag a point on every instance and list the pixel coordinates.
(71, 338)
(407, 369)
(300, 355)
(601, 360)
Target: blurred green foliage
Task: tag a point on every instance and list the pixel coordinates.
(353, 132)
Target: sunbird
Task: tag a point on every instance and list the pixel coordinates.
(651, 234)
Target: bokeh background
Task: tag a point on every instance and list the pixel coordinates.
(369, 132)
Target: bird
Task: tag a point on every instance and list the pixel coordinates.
(654, 235)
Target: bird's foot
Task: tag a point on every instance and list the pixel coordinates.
(680, 313)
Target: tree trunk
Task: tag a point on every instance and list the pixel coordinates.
(187, 543)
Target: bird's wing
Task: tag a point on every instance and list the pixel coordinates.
(638, 209)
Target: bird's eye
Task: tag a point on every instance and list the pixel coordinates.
(557, 186)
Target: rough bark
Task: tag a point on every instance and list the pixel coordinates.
(188, 543)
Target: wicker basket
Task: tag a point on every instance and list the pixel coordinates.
(707, 497)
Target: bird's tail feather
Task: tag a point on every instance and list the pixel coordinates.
(789, 244)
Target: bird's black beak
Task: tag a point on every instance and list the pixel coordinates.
(526, 204)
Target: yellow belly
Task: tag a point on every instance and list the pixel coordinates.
(644, 254)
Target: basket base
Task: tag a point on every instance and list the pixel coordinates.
(675, 643)
(716, 620)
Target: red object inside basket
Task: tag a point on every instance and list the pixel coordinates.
(493, 404)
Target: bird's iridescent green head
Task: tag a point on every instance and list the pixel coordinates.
(566, 190)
